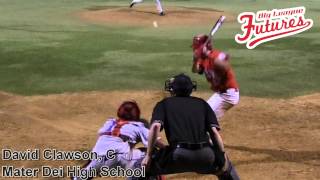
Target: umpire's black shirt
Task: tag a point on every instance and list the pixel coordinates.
(185, 119)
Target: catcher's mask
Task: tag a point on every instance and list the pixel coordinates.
(129, 110)
(180, 85)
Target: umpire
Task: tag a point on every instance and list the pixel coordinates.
(187, 121)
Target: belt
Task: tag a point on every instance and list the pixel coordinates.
(225, 90)
(123, 137)
(192, 146)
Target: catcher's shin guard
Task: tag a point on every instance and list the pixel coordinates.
(230, 174)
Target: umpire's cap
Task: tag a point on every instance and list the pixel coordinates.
(180, 85)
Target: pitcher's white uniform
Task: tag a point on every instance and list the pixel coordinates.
(126, 156)
(158, 4)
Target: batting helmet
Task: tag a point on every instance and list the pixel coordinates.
(180, 85)
(199, 40)
(129, 110)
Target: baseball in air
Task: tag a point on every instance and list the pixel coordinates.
(155, 24)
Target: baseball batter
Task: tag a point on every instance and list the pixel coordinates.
(120, 135)
(215, 65)
(158, 4)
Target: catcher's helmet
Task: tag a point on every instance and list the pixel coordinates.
(180, 85)
(129, 110)
(199, 40)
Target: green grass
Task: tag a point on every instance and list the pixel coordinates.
(45, 48)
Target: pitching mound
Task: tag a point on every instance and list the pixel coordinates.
(265, 138)
(146, 15)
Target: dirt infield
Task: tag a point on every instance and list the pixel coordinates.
(146, 15)
(266, 138)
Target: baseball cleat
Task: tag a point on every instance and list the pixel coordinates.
(161, 14)
(132, 4)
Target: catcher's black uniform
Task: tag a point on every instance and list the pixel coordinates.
(186, 121)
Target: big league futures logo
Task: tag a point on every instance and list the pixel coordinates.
(265, 25)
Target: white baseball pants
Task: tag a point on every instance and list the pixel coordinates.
(158, 4)
(221, 102)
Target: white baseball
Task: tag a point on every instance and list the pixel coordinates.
(155, 24)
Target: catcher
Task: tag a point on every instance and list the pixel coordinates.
(186, 121)
(121, 135)
(215, 65)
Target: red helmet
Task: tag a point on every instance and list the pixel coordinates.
(129, 110)
(199, 40)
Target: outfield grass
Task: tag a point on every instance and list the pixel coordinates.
(45, 48)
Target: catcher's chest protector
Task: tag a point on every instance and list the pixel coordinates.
(116, 129)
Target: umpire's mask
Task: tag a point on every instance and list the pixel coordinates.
(180, 85)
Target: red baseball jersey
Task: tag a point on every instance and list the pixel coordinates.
(220, 79)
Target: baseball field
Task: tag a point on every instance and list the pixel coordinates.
(65, 66)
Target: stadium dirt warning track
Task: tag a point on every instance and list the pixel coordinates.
(266, 138)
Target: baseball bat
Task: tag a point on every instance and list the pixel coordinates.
(215, 28)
